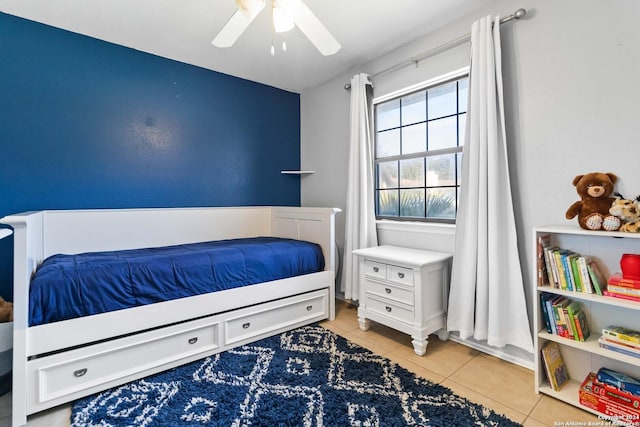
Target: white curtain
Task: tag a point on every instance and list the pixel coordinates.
(486, 298)
(360, 226)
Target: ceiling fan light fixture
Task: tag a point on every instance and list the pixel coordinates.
(282, 21)
(250, 7)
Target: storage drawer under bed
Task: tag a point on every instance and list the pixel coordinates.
(276, 316)
(71, 374)
(80, 369)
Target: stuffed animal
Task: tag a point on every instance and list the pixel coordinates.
(592, 210)
(628, 211)
(6, 311)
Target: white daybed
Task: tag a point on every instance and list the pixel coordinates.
(59, 362)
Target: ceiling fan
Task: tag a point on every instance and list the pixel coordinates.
(286, 15)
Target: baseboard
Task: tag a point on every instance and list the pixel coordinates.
(517, 356)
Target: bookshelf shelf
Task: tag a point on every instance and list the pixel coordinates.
(581, 358)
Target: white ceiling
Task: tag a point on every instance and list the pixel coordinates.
(183, 29)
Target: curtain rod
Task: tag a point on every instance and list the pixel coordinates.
(518, 14)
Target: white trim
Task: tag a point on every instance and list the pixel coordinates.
(416, 227)
(453, 75)
(493, 351)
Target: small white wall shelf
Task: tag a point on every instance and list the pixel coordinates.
(5, 232)
(297, 172)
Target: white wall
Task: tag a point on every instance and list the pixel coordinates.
(572, 106)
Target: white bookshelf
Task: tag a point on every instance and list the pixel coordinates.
(605, 248)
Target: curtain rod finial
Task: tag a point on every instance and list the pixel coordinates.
(520, 13)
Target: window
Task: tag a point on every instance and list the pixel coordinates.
(419, 136)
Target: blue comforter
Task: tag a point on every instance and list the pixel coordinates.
(70, 286)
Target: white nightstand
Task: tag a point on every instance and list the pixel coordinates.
(405, 289)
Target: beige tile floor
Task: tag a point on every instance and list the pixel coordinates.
(494, 383)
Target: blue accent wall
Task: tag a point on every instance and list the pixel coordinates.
(90, 124)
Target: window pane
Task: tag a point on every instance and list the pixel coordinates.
(412, 173)
(442, 101)
(388, 175)
(463, 89)
(462, 121)
(414, 108)
(443, 133)
(388, 202)
(414, 138)
(441, 203)
(412, 203)
(388, 143)
(388, 115)
(441, 170)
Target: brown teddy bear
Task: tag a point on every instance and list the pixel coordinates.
(6, 311)
(595, 191)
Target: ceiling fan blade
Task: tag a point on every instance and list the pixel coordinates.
(235, 26)
(312, 27)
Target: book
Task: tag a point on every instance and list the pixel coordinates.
(612, 409)
(624, 291)
(552, 270)
(620, 333)
(618, 280)
(551, 312)
(596, 277)
(621, 296)
(557, 308)
(570, 310)
(584, 274)
(555, 367)
(562, 277)
(544, 241)
(618, 380)
(619, 348)
(581, 324)
(615, 395)
(545, 313)
(575, 273)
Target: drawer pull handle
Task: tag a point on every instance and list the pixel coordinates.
(193, 340)
(388, 309)
(79, 373)
(401, 275)
(387, 290)
(376, 269)
(309, 307)
(246, 325)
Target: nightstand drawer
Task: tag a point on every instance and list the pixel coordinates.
(376, 269)
(389, 291)
(400, 275)
(390, 309)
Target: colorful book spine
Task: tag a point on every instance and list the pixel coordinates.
(575, 273)
(618, 280)
(596, 277)
(620, 333)
(584, 274)
(623, 291)
(621, 296)
(582, 325)
(619, 348)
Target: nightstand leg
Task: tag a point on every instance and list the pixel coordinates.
(365, 324)
(443, 334)
(419, 346)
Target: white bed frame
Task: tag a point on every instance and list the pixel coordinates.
(62, 361)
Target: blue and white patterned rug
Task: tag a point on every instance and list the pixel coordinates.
(306, 377)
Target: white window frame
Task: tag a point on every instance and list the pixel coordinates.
(425, 85)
